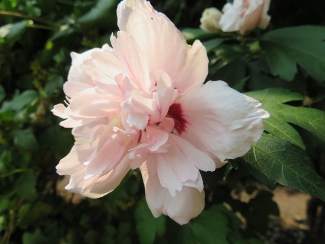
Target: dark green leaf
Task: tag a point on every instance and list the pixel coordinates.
(25, 185)
(25, 139)
(5, 159)
(273, 160)
(36, 237)
(303, 45)
(20, 101)
(234, 79)
(307, 118)
(2, 93)
(4, 203)
(148, 226)
(217, 223)
(192, 34)
(16, 31)
(212, 44)
(100, 15)
(54, 85)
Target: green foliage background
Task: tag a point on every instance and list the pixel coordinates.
(283, 67)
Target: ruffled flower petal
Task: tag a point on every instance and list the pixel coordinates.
(154, 33)
(185, 205)
(221, 121)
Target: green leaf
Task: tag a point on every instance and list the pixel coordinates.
(212, 44)
(147, 226)
(216, 223)
(4, 203)
(54, 84)
(307, 118)
(2, 93)
(303, 45)
(36, 237)
(234, 79)
(100, 15)
(192, 34)
(25, 139)
(20, 101)
(16, 31)
(25, 185)
(283, 130)
(273, 160)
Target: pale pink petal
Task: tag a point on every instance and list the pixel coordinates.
(180, 164)
(77, 72)
(75, 122)
(221, 121)
(156, 138)
(127, 51)
(108, 182)
(59, 110)
(252, 17)
(141, 103)
(187, 156)
(106, 158)
(167, 176)
(163, 45)
(167, 124)
(90, 103)
(185, 205)
(138, 120)
(70, 163)
(106, 63)
(77, 182)
(164, 96)
(72, 88)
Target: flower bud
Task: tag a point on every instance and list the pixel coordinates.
(245, 15)
(210, 20)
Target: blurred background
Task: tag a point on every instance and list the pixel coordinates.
(36, 39)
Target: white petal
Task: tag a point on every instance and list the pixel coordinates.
(230, 20)
(180, 164)
(185, 205)
(221, 121)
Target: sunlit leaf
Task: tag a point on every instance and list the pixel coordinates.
(273, 160)
(273, 100)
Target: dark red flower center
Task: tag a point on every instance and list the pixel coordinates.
(176, 113)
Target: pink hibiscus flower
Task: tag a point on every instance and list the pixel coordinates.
(142, 104)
